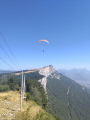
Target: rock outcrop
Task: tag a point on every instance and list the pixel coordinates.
(48, 71)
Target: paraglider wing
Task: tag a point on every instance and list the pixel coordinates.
(43, 40)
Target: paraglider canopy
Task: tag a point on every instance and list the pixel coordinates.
(43, 40)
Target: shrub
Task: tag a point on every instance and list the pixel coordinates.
(4, 88)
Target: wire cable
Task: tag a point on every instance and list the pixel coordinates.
(14, 58)
(7, 63)
(7, 54)
(8, 46)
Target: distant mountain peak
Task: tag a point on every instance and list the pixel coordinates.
(48, 71)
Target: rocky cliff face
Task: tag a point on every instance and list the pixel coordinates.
(48, 71)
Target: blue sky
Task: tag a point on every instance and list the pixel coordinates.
(64, 23)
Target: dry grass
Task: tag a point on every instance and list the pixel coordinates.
(9, 105)
(28, 71)
(33, 112)
(10, 108)
(29, 111)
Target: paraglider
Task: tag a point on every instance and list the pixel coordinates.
(43, 41)
(43, 50)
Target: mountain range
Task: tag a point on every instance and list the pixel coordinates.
(67, 100)
(81, 76)
(5, 71)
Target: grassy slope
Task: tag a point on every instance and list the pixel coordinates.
(10, 108)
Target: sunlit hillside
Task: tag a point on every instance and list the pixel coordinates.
(10, 108)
